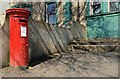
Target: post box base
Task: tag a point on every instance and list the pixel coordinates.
(20, 67)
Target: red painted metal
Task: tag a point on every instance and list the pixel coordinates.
(18, 43)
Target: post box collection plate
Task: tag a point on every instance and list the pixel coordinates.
(23, 31)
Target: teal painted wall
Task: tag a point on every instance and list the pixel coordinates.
(103, 26)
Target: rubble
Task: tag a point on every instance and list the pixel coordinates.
(96, 45)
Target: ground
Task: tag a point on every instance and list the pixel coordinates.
(72, 64)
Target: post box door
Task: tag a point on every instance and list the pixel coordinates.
(18, 41)
(23, 24)
(22, 42)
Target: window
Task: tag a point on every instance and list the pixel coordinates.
(114, 5)
(51, 13)
(96, 7)
(101, 6)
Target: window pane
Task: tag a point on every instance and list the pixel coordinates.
(52, 19)
(51, 13)
(114, 5)
(51, 8)
(96, 7)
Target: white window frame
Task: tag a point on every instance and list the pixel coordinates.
(91, 9)
(109, 7)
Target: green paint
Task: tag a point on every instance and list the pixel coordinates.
(22, 6)
(104, 7)
(105, 26)
(67, 12)
(88, 7)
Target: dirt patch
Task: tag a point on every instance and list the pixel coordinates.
(71, 64)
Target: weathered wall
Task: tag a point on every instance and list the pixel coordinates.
(4, 34)
(5, 42)
(78, 16)
(81, 13)
(44, 39)
(4, 6)
(38, 11)
(0, 47)
(49, 39)
(76, 13)
(105, 26)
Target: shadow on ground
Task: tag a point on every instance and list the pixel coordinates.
(36, 61)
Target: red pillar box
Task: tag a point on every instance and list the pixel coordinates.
(18, 36)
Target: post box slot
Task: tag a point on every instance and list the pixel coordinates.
(23, 21)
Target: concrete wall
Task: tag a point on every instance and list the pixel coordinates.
(4, 34)
(3, 7)
(0, 43)
(5, 42)
(49, 39)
